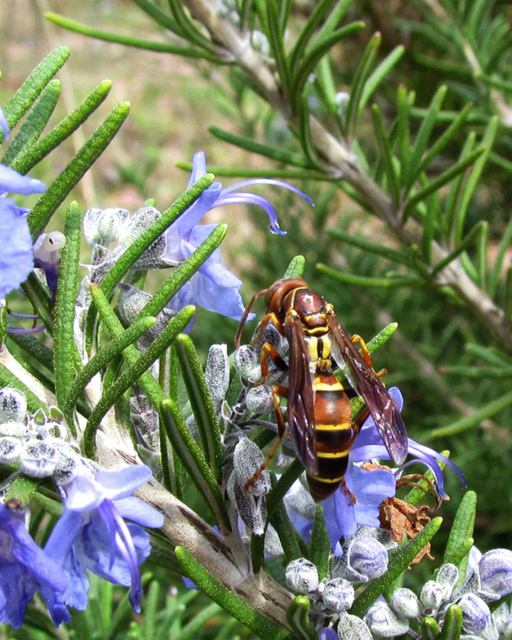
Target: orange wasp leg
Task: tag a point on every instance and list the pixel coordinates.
(366, 355)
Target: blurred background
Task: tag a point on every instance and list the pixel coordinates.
(174, 102)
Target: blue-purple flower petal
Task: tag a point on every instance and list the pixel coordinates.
(16, 257)
(213, 287)
(13, 182)
(93, 535)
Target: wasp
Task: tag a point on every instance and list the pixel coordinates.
(320, 417)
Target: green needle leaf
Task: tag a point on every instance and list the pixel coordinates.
(320, 545)
(135, 250)
(48, 203)
(129, 41)
(194, 461)
(132, 374)
(26, 95)
(386, 154)
(473, 420)
(296, 268)
(66, 358)
(34, 154)
(371, 247)
(261, 626)
(201, 402)
(462, 530)
(369, 281)
(274, 153)
(441, 180)
(452, 624)
(358, 85)
(97, 363)
(34, 123)
(298, 618)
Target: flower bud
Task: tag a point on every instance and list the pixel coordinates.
(353, 628)
(476, 614)
(38, 459)
(366, 559)
(247, 362)
(13, 429)
(13, 405)
(495, 570)
(432, 595)
(103, 226)
(328, 634)
(502, 617)
(130, 303)
(447, 578)
(338, 595)
(302, 576)
(260, 399)
(384, 622)
(216, 372)
(247, 461)
(405, 603)
(10, 450)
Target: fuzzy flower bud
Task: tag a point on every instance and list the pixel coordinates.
(495, 569)
(384, 622)
(405, 603)
(13, 405)
(476, 614)
(247, 363)
(366, 559)
(260, 400)
(246, 492)
(302, 576)
(447, 578)
(353, 628)
(338, 595)
(103, 226)
(216, 372)
(432, 595)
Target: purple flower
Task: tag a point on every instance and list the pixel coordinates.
(92, 535)
(24, 567)
(495, 570)
(16, 258)
(369, 445)
(213, 286)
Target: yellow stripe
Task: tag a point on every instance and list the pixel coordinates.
(328, 480)
(320, 386)
(337, 454)
(344, 426)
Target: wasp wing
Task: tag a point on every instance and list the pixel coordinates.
(301, 396)
(367, 384)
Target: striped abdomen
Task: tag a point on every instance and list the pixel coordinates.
(334, 435)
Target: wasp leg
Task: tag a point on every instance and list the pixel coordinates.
(277, 392)
(366, 355)
(348, 492)
(268, 351)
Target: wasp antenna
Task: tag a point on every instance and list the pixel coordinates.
(243, 320)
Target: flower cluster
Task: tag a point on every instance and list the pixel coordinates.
(365, 558)
(100, 529)
(489, 578)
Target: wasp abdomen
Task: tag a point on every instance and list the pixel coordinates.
(334, 435)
